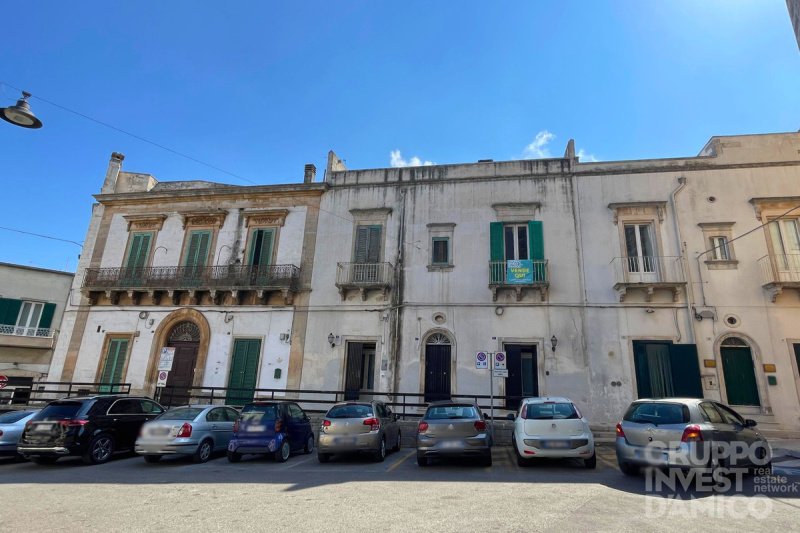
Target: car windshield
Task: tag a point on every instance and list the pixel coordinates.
(181, 413)
(442, 412)
(657, 413)
(255, 414)
(59, 411)
(350, 411)
(13, 416)
(551, 411)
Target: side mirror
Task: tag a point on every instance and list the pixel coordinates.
(485, 416)
(750, 423)
(511, 416)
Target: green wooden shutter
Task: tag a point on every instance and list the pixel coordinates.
(496, 246)
(139, 251)
(374, 248)
(115, 363)
(46, 320)
(197, 254)
(244, 371)
(9, 310)
(536, 238)
(261, 247)
(362, 244)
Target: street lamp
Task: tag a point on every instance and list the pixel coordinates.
(553, 342)
(20, 114)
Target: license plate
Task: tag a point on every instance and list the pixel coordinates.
(346, 441)
(555, 444)
(256, 428)
(158, 432)
(450, 444)
(42, 428)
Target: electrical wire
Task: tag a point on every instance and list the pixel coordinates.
(42, 236)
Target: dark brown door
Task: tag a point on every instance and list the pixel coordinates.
(181, 376)
(437, 372)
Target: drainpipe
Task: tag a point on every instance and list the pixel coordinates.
(685, 267)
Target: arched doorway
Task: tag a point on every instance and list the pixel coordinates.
(739, 371)
(185, 338)
(438, 357)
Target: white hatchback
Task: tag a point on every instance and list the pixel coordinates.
(552, 428)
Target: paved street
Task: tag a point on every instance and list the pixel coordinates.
(354, 494)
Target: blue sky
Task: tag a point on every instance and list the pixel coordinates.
(261, 88)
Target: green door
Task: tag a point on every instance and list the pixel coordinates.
(740, 376)
(114, 365)
(196, 256)
(261, 255)
(138, 253)
(244, 371)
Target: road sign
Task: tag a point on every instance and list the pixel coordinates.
(502, 373)
(3, 382)
(500, 361)
(162, 378)
(481, 360)
(167, 355)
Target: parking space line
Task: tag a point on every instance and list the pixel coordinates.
(298, 463)
(400, 461)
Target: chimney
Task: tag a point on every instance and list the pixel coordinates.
(114, 167)
(309, 173)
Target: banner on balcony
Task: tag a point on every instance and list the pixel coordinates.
(519, 271)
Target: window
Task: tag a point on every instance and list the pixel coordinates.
(368, 244)
(350, 410)
(381, 410)
(710, 413)
(447, 412)
(657, 413)
(114, 365)
(295, 412)
(138, 251)
(441, 251)
(262, 241)
(785, 236)
(639, 247)
(360, 369)
(515, 240)
(729, 416)
(23, 317)
(231, 414)
(551, 411)
(197, 249)
(181, 413)
(719, 244)
(126, 407)
(149, 407)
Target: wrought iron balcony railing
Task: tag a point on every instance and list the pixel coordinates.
(20, 331)
(201, 278)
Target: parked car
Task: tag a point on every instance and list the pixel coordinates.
(11, 425)
(190, 430)
(453, 429)
(91, 427)
(358, 427)
(276, 428)
(552, 427)
(678, 432)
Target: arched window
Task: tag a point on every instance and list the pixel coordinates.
(438, 338)
(734, 342)
(185, 332)
(438, 353)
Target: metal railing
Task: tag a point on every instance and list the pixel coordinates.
(406, 405)
(780, 268)
(364, 274)
(20, 331)
(648, 269)
(533, 272)
(42, 392)
(187, 277)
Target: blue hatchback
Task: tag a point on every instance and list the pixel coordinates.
(273, 428)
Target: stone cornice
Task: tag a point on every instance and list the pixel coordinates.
(145, 222)
(265, 217)
(204, 218)
(656, 207)
(299, 191)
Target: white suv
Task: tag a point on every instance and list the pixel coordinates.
(552, 428)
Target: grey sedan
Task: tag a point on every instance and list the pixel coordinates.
(12, 423)
(453, 429)
(358, 427)
(191, 430)
(688, 433)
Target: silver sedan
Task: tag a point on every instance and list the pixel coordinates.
(12, 423)
(190, 430)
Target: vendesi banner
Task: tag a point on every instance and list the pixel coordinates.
(519, 271)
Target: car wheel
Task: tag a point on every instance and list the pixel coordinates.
(283, 453)
(100, 450)
(152, 459)
(422, 460)
(323, 457)
(591, 462)
(629, 469)
(234, 457)
(309, 444)
(380, 454)
(203, 452)
(44, 460)
(397, 444)
(521, 461)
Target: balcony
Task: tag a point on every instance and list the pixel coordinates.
(22, 337)
(519, 277)
(364, 277)
(648, 274)
(227, 284)
(779, 272)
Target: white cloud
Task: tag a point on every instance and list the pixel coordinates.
(396, 160)
(586, 158)
(537, 149)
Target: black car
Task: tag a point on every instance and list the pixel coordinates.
(93, 428)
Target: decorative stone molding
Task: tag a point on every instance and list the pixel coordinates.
(774, 206)
(507, 212)
(204, 219)
(375, 214)
(145, 222)
(441, 225)
(266, 217)
(636, 209)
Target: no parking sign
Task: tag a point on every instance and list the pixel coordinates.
(162, 378)
(499, 361)
(481, 360)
